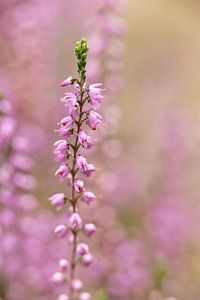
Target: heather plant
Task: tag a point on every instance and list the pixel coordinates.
(23, 226)
(82, 104)
(16, 201)
(106, 39)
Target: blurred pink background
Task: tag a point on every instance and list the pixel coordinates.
(147, 55)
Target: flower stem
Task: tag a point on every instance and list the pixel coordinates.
(74, 199)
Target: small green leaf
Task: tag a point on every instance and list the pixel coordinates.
(160, 272)
(101, 295)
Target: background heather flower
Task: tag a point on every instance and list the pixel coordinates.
(19, 218)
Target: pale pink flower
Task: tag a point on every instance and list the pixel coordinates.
(62, 172)
(58, 200)
(76, 285)
(85, 140)
(75, 222)
(85, 296)
(88, 197)
(87, 259)
(79, 186)
(89, 229)
(64, 265)
(82, 249)
(61, 230)
(68, 81)
(94, 120)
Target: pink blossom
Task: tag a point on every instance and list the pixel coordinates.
(82, 249)
(22, 162)
(95, 94)
(89, 229)
(85, 140)
(70, 101)
(79, 185)
(23, 181)
(66, 82)
(61, 148)
(85, 296)
(88, 197)
(75, 222)
(84, 167)
(81, 163)
(76, 285)
(58, 200)
(64, 265)
(62, 172)
(61, 230)
(58, 278)
(66, 122)
(65, 132)
(89, 170)
(63, 297)
(61, 145)
(7, 126)
(7, 217)
(95, 89)
(94, 120)
(87, 259)
(20, 143)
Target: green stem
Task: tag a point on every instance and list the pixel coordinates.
(74, 198)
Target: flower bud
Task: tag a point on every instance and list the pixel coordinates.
(61, 230)
(84, 167)
(89, 229)
(76, 285)
(58, 279)
(66, 82)
(82, 249)
(66, 122)
(88, 197)
(94, 120)
(79, 186)
(62, 172)
(64, 265)
(87, 259)
(84, 296)
(21, 162)
(58, 200)
(75, 222)
(85, 140)
(63, 297)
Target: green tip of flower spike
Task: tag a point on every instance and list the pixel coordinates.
(81, 52)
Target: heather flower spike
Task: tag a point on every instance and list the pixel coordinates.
(75, 128)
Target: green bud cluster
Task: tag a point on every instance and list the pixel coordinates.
(81, 52)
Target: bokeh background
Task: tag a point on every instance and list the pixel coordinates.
(147, 54)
